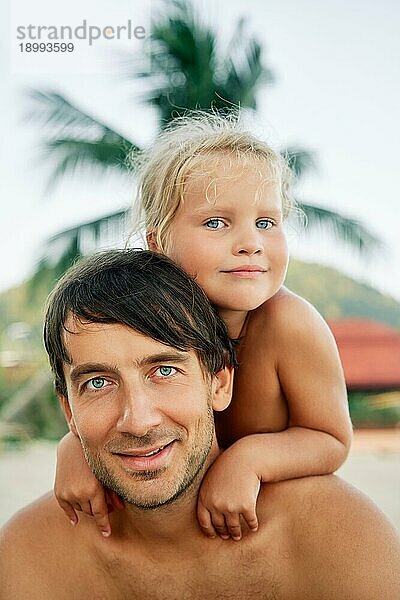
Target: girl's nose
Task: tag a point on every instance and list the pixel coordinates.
(248, 243)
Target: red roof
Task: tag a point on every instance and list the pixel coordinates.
(370, 353)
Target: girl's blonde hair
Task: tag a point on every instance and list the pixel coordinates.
(184, 147)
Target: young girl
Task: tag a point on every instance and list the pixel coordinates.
(214, 198)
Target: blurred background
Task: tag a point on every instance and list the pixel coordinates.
(319, 81)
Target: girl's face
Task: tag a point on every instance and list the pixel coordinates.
(228, 234)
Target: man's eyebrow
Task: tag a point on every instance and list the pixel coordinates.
(161, 357)
(87, 368)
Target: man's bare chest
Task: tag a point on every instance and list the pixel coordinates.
(241, 576)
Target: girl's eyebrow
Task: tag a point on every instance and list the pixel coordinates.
(203, 210)
(272, 211)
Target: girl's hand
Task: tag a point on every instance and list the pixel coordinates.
(77, 489)
(228, 491)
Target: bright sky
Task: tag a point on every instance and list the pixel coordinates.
(337, 93)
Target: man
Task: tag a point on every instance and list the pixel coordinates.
(140, 361)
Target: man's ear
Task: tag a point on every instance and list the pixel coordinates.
(222, 387)
(67, 413)
(151, 240)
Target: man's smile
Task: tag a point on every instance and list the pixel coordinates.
(141, 460)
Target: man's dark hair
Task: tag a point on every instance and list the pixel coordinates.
(143, 290)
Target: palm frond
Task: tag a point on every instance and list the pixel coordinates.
(245, 73)
(51, 108)
(75, 139)
(188, 71)
(182, 54)
(299, 160)
(188, 74)
(108, 152)
(350, 231)
(67, 246)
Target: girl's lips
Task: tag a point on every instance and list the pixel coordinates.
(244, 273)
(154, 459)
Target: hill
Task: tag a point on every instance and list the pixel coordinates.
(23, 363)
(337, 296)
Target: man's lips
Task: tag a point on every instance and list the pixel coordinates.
(144, 452)
(146, 458)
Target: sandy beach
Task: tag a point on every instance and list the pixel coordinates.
(373, 467)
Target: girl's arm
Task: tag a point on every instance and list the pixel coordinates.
(319, 431)
(77, 489)
(310, 374)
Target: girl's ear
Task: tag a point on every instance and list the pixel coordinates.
(68, 413)
(222, 387)
(151, 240)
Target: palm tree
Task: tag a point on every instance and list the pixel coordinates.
(188, 71)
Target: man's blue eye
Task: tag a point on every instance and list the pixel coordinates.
(166, 371)
(264, 224)
(96, 383)
(214, 224)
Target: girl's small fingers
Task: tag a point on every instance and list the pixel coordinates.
(250, 517)
(77, 507)
(86, 508)
(69, 511)
(100, 514)
(204, 518)
(218, 520)
(233, 525)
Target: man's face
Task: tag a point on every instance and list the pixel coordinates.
(142, 410)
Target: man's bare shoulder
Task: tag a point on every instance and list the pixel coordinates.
(34, 548)
(34, 519)
(323, 495)
(35, 527)
(341, 542)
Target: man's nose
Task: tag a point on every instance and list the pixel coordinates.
(139, 412)
(247, 242)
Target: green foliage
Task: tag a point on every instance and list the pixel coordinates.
(44, 418)
(77, 140)
(337, 296)
(349, 231)
(365, 413)
(40, 418)
(300, 161)
(189, 72)
(64, 248)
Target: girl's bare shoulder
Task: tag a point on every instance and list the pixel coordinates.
(286, 312)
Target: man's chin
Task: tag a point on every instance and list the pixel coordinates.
(150, 489)
(149, 492)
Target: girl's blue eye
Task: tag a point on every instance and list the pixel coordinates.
(215, 224)
(166, 371)
(264, 224)
(97, 383)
